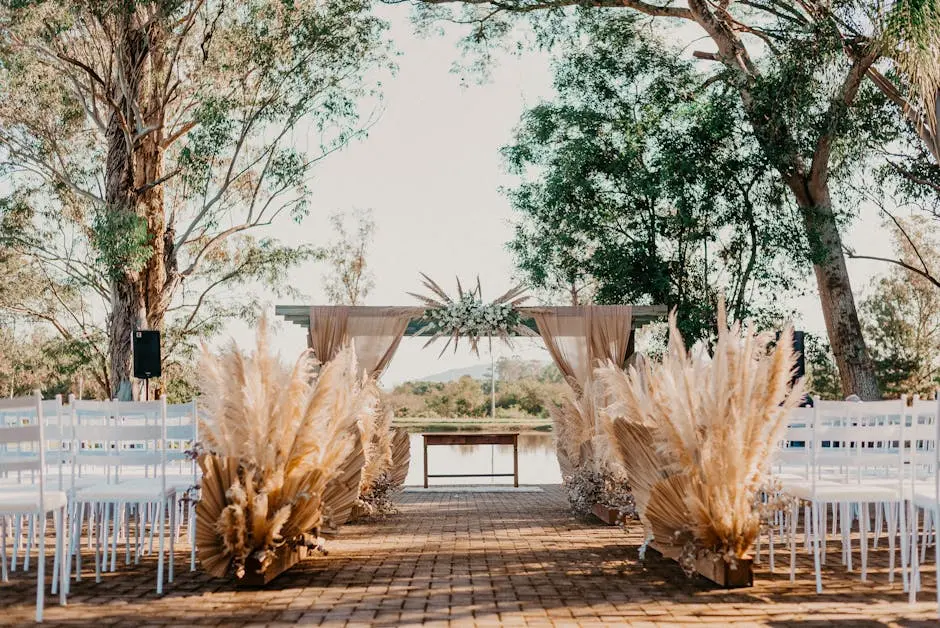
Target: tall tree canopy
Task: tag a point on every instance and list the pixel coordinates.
(902, 316)
(145, 144)
(798, 70)
(641, 185)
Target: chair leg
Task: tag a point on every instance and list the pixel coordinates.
(152, 517)
(807, 540)
(127, 534)
(815, 534)
(192, 536)
(892, 533)
(846, 535)
(77, 531)
(172, 538)
(17, 536)
(863, 530)
(162, 518)
(30, 532)
(904, 532)
(41, 570)
(4, 576)
(62, 544)
(794, 515)
(925, 536)
(936, 558)
(57, 526)
(101, 511)
(878, 522)
(915, 567)
(139, 534)
(770, 546)
(115, 527)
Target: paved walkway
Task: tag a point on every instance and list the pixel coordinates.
(481, 559)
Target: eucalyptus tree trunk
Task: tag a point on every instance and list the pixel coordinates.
(134, 165)
(856, 369)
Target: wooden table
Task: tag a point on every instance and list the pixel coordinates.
(473, 438)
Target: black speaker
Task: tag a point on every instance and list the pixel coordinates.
(146, 354)
(799, 347)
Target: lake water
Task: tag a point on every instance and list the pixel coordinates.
(537, 462)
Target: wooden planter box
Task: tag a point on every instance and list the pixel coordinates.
(607, 514)
(718, 571)
(285, 558)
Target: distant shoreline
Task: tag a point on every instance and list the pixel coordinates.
(473, 424)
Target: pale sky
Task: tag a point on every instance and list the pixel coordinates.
(430, 170)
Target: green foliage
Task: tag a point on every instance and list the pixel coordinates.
(822, 376)
(37, 359)
(646, 185)
(163, 179)
(523, 389)
(121, 241)
(350, 280)
(901, 317)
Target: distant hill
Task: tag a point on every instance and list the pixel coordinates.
(479, 371)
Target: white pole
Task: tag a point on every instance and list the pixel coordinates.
(492, 381)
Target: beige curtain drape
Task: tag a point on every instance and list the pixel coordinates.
(377, 337)
(375, 333)
(578, 338)
(327, 330)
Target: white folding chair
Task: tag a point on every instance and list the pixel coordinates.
(135, 459)
(182, 434)
(854, 461)
(925, 488)
(23, 434)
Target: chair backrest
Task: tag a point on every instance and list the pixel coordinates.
(24, 427)
(796, 444)
(122, 436)
(852, 439)
(182, 432)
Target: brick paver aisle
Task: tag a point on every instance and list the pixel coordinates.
(484, 559)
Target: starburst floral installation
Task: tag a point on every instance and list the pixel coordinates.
(696, 433)
(469, 316)
(281, 453)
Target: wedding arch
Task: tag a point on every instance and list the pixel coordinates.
(576, 336)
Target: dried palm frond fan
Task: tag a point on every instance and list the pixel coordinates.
(387, 454)
(591, 472)
(280, 447)
(696, 434)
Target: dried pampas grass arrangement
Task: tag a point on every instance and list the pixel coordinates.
(590, 471)
(696, 433)
(387, 452)
(280, 450)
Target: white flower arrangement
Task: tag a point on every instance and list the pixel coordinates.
(469, 316)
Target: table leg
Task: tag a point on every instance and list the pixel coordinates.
(425, 463)
(515, 461)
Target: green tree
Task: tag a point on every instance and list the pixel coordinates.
(350, 281)
(902, 318)
(641, 182)
(798, 72)
(148, 143)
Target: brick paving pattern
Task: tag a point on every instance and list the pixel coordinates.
(486, 559)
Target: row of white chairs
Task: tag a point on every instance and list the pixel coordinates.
(870, 463)
(104, 466)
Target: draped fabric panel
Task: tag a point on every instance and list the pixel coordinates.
(327, 330)
(578, 337)
(375, 333)
(377, 336)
